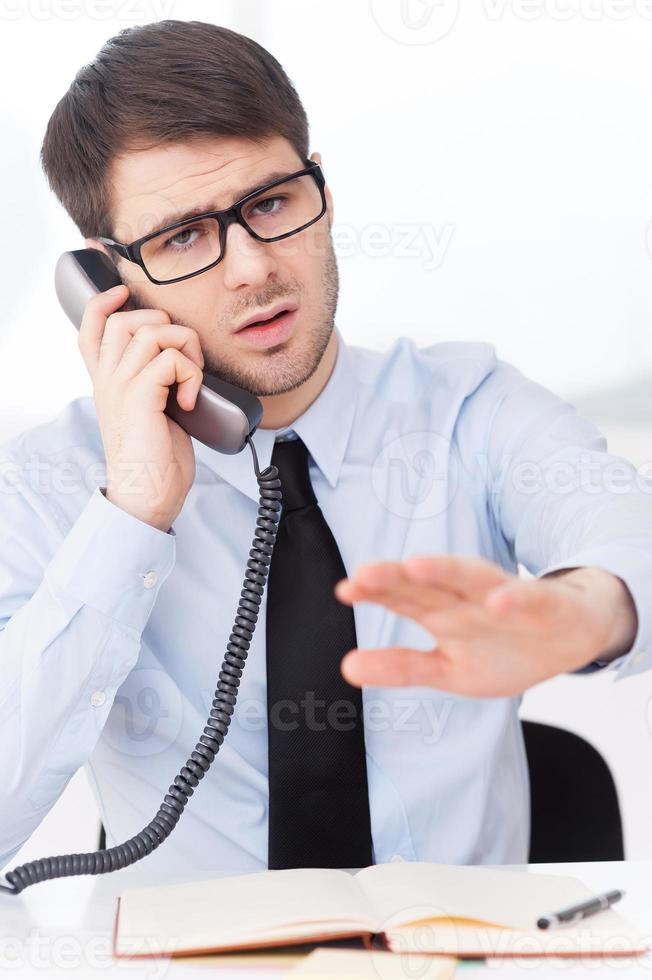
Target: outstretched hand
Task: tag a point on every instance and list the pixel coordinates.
(496, 634)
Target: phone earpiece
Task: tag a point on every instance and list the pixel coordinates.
(224, 415)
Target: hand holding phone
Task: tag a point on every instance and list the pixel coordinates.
(158, 462)
(133, 357)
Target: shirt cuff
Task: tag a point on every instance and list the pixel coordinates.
(634, 567)
(113, 562)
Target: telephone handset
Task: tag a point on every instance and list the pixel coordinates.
(223, 416)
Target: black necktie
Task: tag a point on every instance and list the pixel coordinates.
(318, 795)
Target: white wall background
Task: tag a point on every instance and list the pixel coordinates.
(491, 166)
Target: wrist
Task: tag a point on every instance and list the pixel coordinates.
(161, 524)
(624, 625)
(615, 608)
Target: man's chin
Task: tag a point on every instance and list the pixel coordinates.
(274, 371)
(255, 384)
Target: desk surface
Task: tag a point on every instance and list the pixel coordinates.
(65, 927)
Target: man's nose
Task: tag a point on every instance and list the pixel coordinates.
(246, 262)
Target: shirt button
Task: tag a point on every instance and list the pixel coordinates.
(150, 580)
(636, 659)
(98, 698)
(396, 857)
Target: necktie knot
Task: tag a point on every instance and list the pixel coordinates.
(291, 459)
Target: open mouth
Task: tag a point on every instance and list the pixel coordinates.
(265, 323)
(272, 332)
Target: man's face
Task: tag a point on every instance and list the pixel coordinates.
(149, 185)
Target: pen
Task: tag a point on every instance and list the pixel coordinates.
(581, 911)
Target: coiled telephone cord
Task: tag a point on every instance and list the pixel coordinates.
(217, 724)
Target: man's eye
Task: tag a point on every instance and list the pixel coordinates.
(264, 206)
(183, 237)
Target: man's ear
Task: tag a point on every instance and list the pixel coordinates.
(93, 243)
(329, 199)
(329, 205)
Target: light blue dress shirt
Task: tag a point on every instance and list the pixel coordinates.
(112, 631)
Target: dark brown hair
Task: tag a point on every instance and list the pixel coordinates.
(165, 82)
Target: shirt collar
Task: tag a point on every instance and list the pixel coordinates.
(324, 427)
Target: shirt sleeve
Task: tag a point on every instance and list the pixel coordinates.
(72, 612)
(560, 500)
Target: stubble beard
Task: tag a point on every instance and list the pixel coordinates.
(285, 367)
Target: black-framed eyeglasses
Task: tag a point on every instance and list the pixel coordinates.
(199, 243)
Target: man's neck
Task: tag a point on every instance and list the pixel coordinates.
(280, 411)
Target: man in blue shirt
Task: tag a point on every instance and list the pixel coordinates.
(437, 470)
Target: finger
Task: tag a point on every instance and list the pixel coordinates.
(149, 340)
(391, 576)
(119, 331)
(450, 619)
(388, 583)
(403, 605)
(98, 308)
(466, 577)
(469, 577)
(368, 581)
(395, 667)
(406, 601)
(433, 609)
(168, 367)
(379, 575)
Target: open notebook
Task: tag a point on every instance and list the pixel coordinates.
(402, 906)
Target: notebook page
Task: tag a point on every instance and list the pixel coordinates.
(404, 891)
(606, 934)
(241, 909)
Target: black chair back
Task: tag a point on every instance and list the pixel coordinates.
(574, 804)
